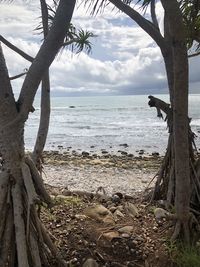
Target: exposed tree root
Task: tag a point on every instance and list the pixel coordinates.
(24, 241)
(165, 186)
(185, 228)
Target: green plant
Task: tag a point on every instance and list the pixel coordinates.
(182, 255)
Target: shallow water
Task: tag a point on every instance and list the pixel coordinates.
(95, 123)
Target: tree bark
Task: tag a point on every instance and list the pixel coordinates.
(44, 120)
(24, 241)
(45, 99)
(180, 117)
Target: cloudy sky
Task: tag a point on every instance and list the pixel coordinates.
(124, 60)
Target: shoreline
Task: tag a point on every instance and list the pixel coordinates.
(88, 172)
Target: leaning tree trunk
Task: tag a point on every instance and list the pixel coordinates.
(24, 241)
(44, 121)
(45, 108)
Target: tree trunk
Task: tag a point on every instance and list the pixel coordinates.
(180, 117)
(45, 100)
(44, 121)
(24, 241)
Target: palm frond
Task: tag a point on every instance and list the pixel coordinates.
(81, 41)
(75, 39)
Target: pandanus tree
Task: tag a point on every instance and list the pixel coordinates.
(178, 168)
(75, 39)
(23, 238)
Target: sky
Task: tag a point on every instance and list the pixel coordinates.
(124, 59)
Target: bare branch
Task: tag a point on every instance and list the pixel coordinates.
(18, 76)
(16, 49)
(194, 54)
(145, 24)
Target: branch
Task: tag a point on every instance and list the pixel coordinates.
(159, 105)
(153, 14)
(194, 54)
(18, 76)
(145, 24)
(46, 55)
(16, 49)
(162, 106)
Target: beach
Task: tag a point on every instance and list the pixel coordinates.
(83, 171)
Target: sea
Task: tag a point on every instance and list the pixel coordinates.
(107, 123)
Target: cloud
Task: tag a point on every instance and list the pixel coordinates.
(124, 58)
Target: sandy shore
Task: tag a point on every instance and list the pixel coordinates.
(85, 172)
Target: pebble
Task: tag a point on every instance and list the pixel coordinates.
(79, 172)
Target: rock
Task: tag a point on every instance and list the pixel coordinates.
(130, 155)
(141, 152)
(144, 181)
(85, 154)
(124, 145)
(155, 154)
(104, 152)
(71, 106)
(118, 214)
(131, 209)
(126, 229)
(125, 235)
(90, 263)
(112, 209)
(160, 213)
(100, 214)
(115, 199)
(80, 217)
(110, 235)
(124, 153)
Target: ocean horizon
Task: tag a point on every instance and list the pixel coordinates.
(111, 123)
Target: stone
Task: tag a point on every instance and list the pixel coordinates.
(124, 145)
(126, 229)
(115, 199)
(112, 209)
(131, 209)
(160, 213)
(90, 263)
(85, 154)
(141, 152)
(155, 154)
(118, 214)
(110, 235)
(80, 216)
(100, 214)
